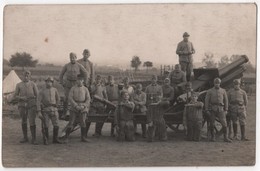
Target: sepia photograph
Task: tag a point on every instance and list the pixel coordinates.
(129, 85)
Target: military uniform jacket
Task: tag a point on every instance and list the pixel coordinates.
(72, 71)
(154, 93)
(129, 89)
(185, 51)
(139, 98)
(177, 77)
(28, 91)
(48, 99)
(79, 95)
(192, 112)
(168, 92)
(216, 100)
(112, 92)
(99, 90)
(124, 111)
(90, 70)
(237, 100)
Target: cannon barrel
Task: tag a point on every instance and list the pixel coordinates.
(104, 101)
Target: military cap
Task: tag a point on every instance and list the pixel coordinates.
(186, 34)
(73, 54)
(85, 51)
(123, 92)
(27, 72)
(80, 77)
(217, 80)
(236, 82)
(49, 79)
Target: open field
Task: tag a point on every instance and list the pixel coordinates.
(105, 151)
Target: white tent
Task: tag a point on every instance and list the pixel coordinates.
(10, 82)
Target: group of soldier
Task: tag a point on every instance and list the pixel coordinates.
(81, 85)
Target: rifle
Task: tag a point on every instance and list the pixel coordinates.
(44, 133)
(106, 102)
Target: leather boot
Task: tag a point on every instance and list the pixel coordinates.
(68, 130)
(112, 132)
(213, 139)
(25, 136)
(46, 142)
(33, 132)
(55, 139)
(83, 133)
(243, 133)
(87, 127)
(144, 131)
(226, 139)
(235, 131)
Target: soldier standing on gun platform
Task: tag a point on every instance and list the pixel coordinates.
(88, 65)
(97, 107)
(139, 99)
(185, 50)
(80, 102)
(237, 108)
(193, 117)
(112, 95)
(71, 70)
(216, 105)
(47, 107)
(26, 93)
(124, 118)
(156, 122)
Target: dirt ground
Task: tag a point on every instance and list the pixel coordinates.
(105, 151)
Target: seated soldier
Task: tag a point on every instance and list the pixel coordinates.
(177, 76)
(193, 117)
(124, 118)
(168, 91)
(139, 99)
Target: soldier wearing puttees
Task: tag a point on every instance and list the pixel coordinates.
(112, 95)
(185, 50)
(71, 70)
(97, 107)
(47, 107)
(88, 65)
(139, 99)
(26, 93)
(124, 118)
(177, 76)
(237, 108)
(216, 105)
(193, 117)
(79, 98)
(156, 122)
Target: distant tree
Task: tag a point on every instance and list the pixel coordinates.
(22, 60)
(209, 61)
(223, 61)
(135, 62)
(148, 64)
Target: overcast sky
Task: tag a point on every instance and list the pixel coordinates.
(115, 33)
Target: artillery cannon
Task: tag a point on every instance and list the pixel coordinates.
(203, 80)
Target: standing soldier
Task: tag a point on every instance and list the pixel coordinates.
(193, 117)
(88, 65)
(26, 93)
(48, 102)
(112, 95)
(97, 107)
(80, 102)
(237, 108)
(185, 50)
(156, 122)
(71, 70)
(124, 118)
(139, 99)
(216, 105)
(168, 91)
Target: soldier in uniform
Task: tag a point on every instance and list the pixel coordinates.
(79, 98)
(112, 95)
(177, 76)
(71, 70)
(156, 122)
(216, 105)
(47, 107)
(237, 108)
(26, 93)
(127, 87)
(168, 91)
(97, 107)
(193, 117)
(88, 65)
(139, 99)
(124, 118)
(185, 50)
